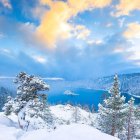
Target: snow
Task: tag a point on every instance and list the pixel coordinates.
(68, 132)
(54, 79)
(5, 121)
(81, 131)
(70, 93)
(64, 113)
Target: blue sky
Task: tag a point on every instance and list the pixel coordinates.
(80, 39)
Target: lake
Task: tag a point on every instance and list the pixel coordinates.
(83, 97)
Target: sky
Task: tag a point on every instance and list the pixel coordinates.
(72, 39)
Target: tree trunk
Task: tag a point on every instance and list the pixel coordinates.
(113, 130)
(129, 125)
(113, 126)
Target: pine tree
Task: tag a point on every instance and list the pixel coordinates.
(137, 125)
(111, 116)
(131, 120)
(76, 114)
(8, 107)
(27, 104)
(28, 87)
(4, 93)
(43, 98)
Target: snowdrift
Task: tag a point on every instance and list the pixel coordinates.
(72, 131)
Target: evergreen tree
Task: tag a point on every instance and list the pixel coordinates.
(31, 110)
(76, 114)
(131, 120)
(137, 125)
(92, 108)
(28, 87)
(4, 93)
(43, 99)
(8, 107)
(137, 112)
(111, 116)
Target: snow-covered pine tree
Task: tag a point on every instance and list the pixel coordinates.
(137, 112)
(27, 104)
(111, 115)
(28, 87)
(8, 107)
(43, 99)
(92, 108)
(4, 93)
(137, 125)
(76, 114)
(131, 120)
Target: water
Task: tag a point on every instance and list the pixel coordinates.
(88, 97)
(56, 94)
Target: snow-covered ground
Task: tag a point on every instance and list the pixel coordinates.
(64, 114)
(63, 131)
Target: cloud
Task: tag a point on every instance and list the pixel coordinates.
(132, 35)
(127, 6)
(81, 32)
(132, 31)
(2, 35)
(121, 22)
(6, 4)
(55, 24)
(95, 42)
(108, 25)
(39, 59)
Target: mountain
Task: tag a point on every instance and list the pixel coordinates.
(129, 83)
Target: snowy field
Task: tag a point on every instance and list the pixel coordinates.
(63, 113)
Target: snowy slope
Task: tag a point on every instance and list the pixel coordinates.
(63, 114)
(68, 132)
(63, 131)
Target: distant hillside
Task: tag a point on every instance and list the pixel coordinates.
(129, 83)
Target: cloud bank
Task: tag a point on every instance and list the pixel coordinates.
(55, 24)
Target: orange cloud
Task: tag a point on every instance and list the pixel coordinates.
(126, 6)
(132, 31)
(55, 23)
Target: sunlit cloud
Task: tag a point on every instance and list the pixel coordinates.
(6, 4)
(55, 23)
(132, 31)
(134, 51)
(126, 6)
